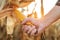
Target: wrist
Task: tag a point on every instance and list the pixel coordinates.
(41, 24)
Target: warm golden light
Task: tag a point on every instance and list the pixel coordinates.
(48, 5)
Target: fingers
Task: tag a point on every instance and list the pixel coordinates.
(32, 20)
(26, 28)
(31, 30)
(26, 20)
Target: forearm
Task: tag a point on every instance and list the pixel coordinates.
(51, 17)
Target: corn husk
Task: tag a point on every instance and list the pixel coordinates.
(2, 4)
(13, 22)
(3, 32)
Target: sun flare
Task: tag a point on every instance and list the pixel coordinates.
(36, 6)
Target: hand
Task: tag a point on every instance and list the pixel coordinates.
(31, 30)
(32, 20)
(34, 29)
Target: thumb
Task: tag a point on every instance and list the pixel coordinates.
(32, 20)
(26, 20)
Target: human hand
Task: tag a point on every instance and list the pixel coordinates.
(32, 29)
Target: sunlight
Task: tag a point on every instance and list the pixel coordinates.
(48, 5)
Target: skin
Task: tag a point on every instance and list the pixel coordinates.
(39, 25)
(43, 23)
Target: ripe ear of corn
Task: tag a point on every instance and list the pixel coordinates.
(19, 15)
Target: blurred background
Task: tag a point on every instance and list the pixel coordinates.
(36, 6)
(11, 28)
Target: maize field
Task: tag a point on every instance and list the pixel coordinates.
(11, 29)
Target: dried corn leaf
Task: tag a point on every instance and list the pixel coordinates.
(2, 4)
(3, 32)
